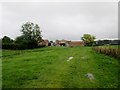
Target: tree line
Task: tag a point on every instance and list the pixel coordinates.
(110, 42)
(89, 40)
(31, 34)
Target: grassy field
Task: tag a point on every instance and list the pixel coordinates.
(48, 68)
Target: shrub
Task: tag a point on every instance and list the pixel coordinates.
(15, 46)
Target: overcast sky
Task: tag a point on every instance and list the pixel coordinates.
(62, 20)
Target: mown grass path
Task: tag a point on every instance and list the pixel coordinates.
(48, 68)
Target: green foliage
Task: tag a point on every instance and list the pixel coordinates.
(31, 34)
(7, 43)
(29, 39)
(7, 39)
(48, 68)
(31, 31)
(24, 43)
(88, 39)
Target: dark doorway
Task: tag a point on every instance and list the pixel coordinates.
(49, 44)
(62, 44)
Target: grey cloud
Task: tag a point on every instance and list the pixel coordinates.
(62, 20)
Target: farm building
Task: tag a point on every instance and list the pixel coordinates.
(76, 43)
(68, 43)
(61, 42)
(43, 42)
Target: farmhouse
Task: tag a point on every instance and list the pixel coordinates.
(43, 42)
(62, 43)
(68, 43)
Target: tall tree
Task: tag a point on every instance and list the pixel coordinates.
(31, 31)
(88, 39)
(31, 34)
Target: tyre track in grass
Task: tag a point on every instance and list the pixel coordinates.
(76, 70)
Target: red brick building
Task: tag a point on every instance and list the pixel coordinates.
(76, 43)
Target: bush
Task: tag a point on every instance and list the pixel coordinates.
(15, 46)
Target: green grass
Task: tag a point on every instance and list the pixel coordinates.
(48, 68)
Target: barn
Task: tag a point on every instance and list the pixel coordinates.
(76, 43)
(43, 42)
(68, 43)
